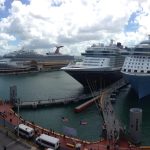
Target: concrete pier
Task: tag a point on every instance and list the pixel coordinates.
(111, 122)
(48, 102)
(40, 103)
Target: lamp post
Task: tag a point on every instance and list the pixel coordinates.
(18, 103)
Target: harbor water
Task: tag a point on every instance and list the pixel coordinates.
(58, 84)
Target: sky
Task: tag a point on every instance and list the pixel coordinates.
(41, 25)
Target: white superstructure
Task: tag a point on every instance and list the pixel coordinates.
(101, 65)
(136, 68)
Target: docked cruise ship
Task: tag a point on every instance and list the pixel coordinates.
(136, 68)
(11, 67)
(28, 55)
(101, 65)
(29, 60)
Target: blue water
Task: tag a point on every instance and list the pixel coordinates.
(40, 85)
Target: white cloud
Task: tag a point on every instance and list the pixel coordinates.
(73, 23)
(2, 4)
(144, 18)
(4, 36)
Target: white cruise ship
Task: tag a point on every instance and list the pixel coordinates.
(101, 65)
(33, 61)
(136, 68)
(28, 55)
(9, 67)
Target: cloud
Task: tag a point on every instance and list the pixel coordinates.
(43, 24)
(2, 4)
(4, 36)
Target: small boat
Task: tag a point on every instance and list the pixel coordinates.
(64, 119)
(83, 122)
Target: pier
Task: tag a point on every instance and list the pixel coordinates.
(41, 103)
(111, 123)
(49, 102)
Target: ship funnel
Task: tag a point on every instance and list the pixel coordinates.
(119, 45)
(57, 49)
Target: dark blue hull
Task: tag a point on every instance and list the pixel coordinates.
(95, 79)
(141, 84)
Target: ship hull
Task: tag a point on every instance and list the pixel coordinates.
(141, 84)
(95, 79)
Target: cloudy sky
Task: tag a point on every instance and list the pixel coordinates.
(76, 24)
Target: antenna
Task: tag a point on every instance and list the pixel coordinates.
(111, 42)
(149, 36)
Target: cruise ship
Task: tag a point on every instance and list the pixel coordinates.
(9, 67)
(31, 60)
(136, 68)
(28, 55)
(100, 67)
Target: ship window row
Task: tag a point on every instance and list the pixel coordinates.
(134, 64)
(136, 67)
(140, 71)
(92, 65)
(99, 54)
(140, 60)
(101, 49)
(140, 57)
(93, 61)
(95, 58)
